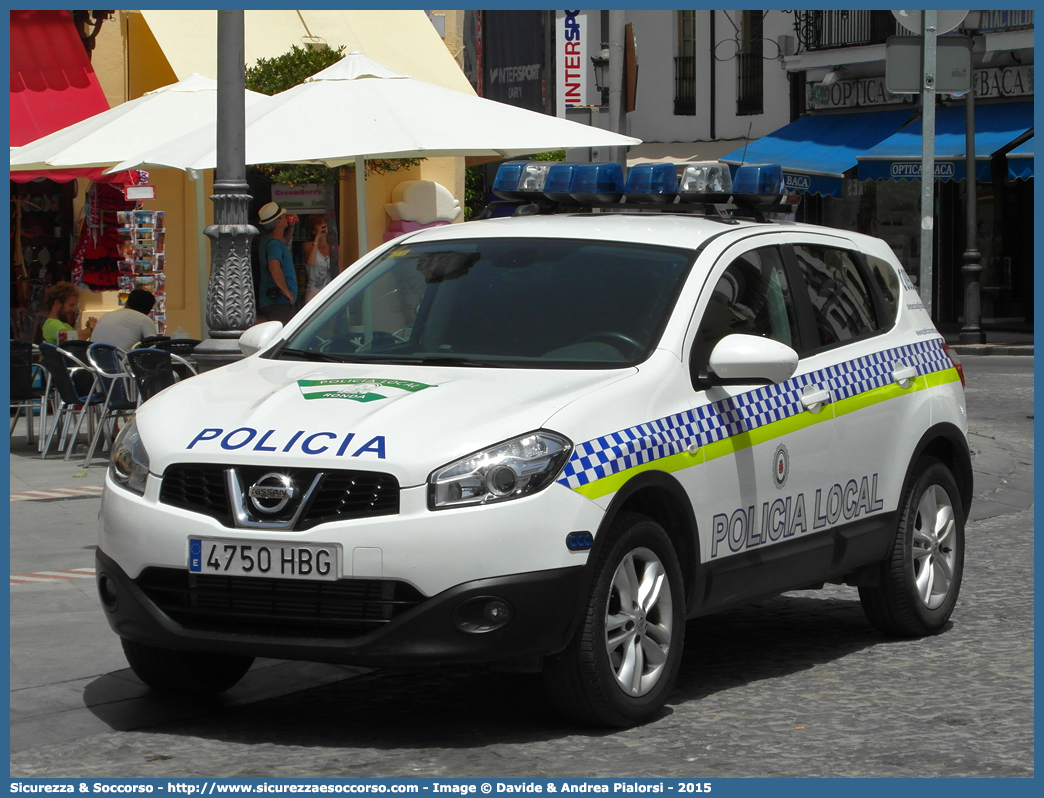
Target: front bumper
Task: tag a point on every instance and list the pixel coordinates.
(543, 605)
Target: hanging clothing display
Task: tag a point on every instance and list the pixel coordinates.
(95, 260)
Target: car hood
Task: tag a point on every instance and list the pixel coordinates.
(403, 420)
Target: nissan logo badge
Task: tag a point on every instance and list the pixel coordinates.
(271, 493)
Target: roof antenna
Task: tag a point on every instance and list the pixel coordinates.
(743, 160)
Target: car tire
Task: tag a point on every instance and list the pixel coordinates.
(185, 672)
(594, 680)
(920, 580)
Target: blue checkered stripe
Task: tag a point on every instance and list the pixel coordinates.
(655, 440)
(863, 374)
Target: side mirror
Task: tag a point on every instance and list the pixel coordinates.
(751, 358)
(259, 336)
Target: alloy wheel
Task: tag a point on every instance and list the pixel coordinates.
(934, 546)
(639, 622)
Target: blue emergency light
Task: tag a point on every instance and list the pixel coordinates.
(540, 184)
(559, 178)
(505, 184)
(759, 184)
(597, 183)
(652, 183)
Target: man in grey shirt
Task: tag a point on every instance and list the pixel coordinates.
(130, 324)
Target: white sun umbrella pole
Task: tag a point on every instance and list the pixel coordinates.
(371, 111)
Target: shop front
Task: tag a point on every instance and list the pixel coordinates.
(52, 86)
(855, 160)
(890, 174)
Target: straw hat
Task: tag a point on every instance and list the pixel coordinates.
(269, 212)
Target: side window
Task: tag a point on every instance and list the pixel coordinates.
(752, 297)
(841, 303)
(887, 280)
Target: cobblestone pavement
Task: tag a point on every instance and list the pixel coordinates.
(795, 686)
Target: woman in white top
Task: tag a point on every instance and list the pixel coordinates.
(317, 256)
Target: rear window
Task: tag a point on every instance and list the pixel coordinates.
(887, 280)
(841, 303)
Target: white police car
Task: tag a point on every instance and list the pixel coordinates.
(548, 441)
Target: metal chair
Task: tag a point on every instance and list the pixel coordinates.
(38, 322)
(121, 397)
(183, 347)
(63, 368)
(153, 370)
(28, 386)
(77, 346)
(178, 346)
(21, 324)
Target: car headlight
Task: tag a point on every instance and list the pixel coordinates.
(510, 470)
(129, 465)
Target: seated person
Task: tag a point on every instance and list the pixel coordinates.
(63, 302)
(130, 324)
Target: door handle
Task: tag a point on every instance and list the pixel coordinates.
(814, 398)
(905, 375)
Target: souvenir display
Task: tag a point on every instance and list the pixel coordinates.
(141, 246)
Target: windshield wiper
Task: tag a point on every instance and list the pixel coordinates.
(309, 354)
(451, 360)
(359, 357)
(427, 360)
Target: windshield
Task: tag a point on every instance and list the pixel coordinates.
(537, 303)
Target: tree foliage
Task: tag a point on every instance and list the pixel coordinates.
(274, 75)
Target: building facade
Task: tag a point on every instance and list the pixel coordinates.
(838, 67)
(807, 89)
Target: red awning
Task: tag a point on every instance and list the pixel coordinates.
(52, 86)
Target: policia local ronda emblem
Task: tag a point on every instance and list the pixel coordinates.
(781, 466)
(358, 389)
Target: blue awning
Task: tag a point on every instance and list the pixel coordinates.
(816, 151)
(1020, 161)
(899, 157)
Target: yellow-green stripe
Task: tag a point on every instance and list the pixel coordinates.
(611, 484)
(767, 432)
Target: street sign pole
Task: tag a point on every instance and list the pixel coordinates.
(928, 160)
(971, 332)
(617, 110)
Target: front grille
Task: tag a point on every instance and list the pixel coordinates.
(277, 607)
(339, 496)
(352, 494)
(200, 488)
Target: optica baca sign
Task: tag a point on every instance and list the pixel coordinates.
(909, 169)
(796, 182)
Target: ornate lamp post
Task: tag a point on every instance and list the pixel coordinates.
(230, 295)
(600, 63)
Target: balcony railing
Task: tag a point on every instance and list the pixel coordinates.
(685, 85)
(827, 30)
